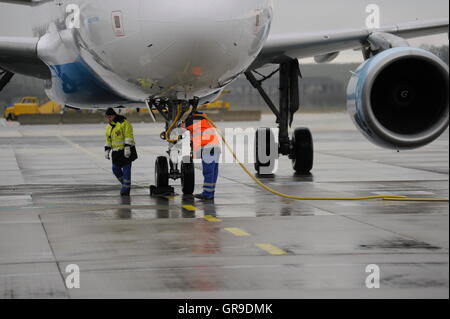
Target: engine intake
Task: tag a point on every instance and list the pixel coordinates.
(399, 98)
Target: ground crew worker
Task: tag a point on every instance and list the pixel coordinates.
(206, 145)
(120, 140)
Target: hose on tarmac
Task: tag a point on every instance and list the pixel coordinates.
(277, 193)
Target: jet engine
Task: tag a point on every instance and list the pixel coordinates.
(399, 98)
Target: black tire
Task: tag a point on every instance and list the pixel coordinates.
(188, 178)
(302, 151)
(271, 149)
(162, 172)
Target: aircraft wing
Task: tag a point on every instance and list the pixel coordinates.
(301, 45)
(19, 55)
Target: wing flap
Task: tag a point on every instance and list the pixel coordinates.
(418, 28)
(308, 45)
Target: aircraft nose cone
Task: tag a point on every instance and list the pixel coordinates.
(196, 51)
(202, 44)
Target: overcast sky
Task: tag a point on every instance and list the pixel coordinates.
(300, 16)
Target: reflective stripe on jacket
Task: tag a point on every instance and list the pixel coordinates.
(119, 134)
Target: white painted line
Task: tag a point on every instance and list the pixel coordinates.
(14, 197)
(322, 213)
(15, 200)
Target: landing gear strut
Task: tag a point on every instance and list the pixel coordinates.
(172, 167)
(299, 148)
(5, 77)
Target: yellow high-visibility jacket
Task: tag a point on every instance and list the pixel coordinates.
(119, 134)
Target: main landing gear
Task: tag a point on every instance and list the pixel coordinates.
(174, 166)
(300, 147)
(5, 77)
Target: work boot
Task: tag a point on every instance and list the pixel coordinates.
(125, 193)
(203, 197)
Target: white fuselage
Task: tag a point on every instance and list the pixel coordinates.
(123, 52)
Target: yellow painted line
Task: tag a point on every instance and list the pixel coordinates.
(190, 208)
(172, 198)
(211, 218)
(237, 232)
(271, 249)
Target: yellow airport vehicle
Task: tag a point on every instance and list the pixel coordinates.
(218, 104)
(30, 105)
(50, 107)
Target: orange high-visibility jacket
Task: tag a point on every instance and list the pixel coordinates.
(203, 134)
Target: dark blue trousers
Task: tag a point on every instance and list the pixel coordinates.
(210, 162)
(123, 174)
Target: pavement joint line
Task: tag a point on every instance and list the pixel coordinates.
(84, 150)
(271, 249)
(296, 255)
(237, 232)
(20, 132)
(212, 218)
(55, 260)
(71, 209)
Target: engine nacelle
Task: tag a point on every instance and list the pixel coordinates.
(399, 98)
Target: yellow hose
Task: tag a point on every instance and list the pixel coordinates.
(271, 190)
(174, 123)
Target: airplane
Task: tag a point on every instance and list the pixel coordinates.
(174, 55)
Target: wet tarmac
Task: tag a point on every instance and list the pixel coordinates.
(59, 206)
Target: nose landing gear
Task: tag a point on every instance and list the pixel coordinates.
(174, 166)
(188, 178)
(162, 172)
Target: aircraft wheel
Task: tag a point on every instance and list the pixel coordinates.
(188, 178)
(266, 151)
(302, 151)
(162, 172)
